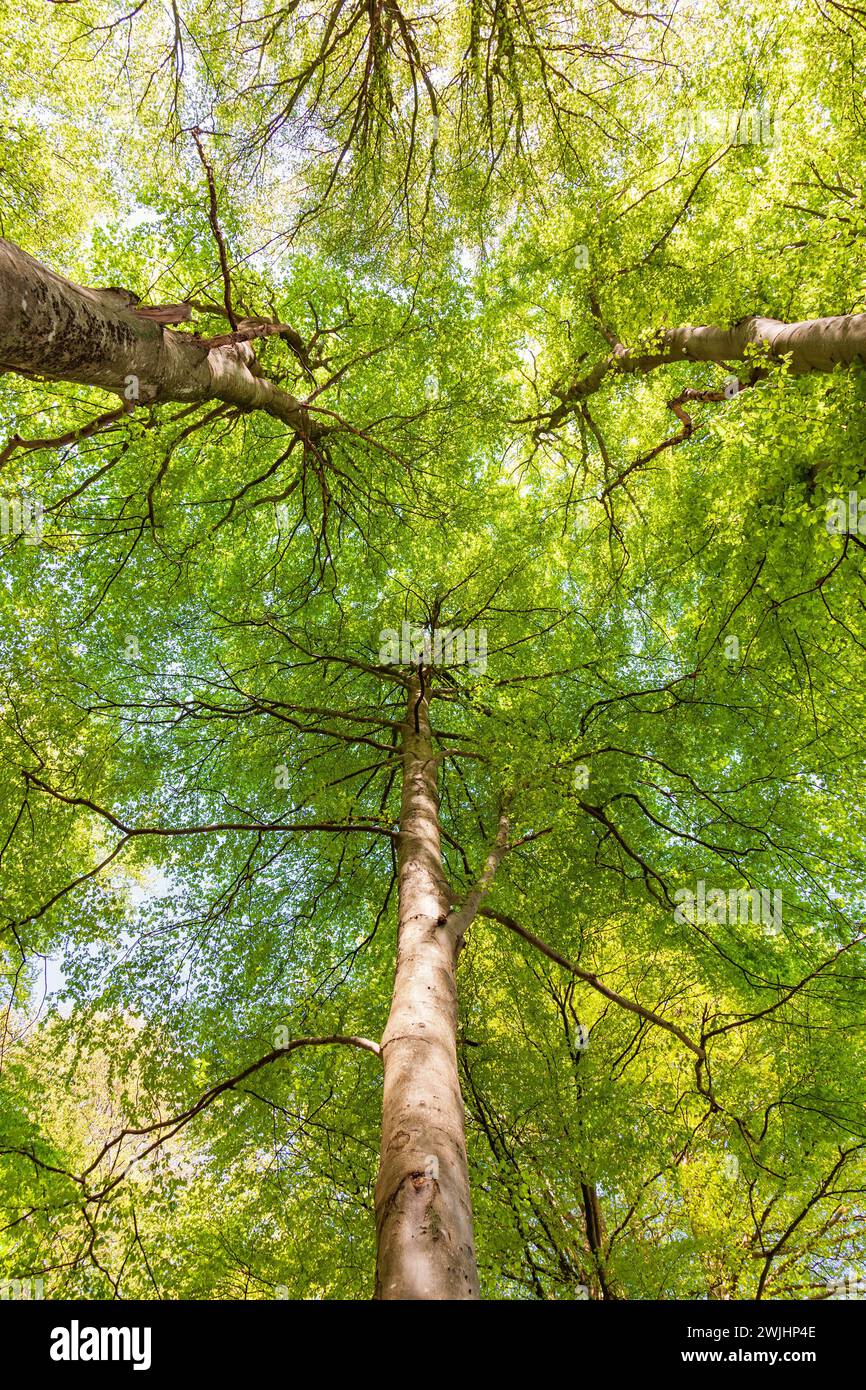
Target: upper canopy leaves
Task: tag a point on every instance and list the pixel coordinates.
(451, 215)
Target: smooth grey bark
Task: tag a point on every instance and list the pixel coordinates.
(425, 1245)
(52, 328)
(811, 345)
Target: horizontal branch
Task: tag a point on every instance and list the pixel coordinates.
(259, 827)
(811, 345)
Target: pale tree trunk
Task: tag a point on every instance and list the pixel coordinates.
(52, 328)
(423, 1209)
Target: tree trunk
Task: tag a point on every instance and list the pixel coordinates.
(52, 328)
(595, 1233)
(423, 1209)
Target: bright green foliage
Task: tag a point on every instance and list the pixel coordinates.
(450, 207)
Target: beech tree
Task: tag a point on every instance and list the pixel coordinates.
(432, 610)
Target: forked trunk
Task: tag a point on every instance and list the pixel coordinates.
(423, 1210)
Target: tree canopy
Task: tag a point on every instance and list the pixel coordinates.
(328, 329)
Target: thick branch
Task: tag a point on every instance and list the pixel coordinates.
(52, 328)
(812, 345)
(462, 917)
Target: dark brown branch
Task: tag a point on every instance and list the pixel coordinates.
(213, 217)
(592, 980)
